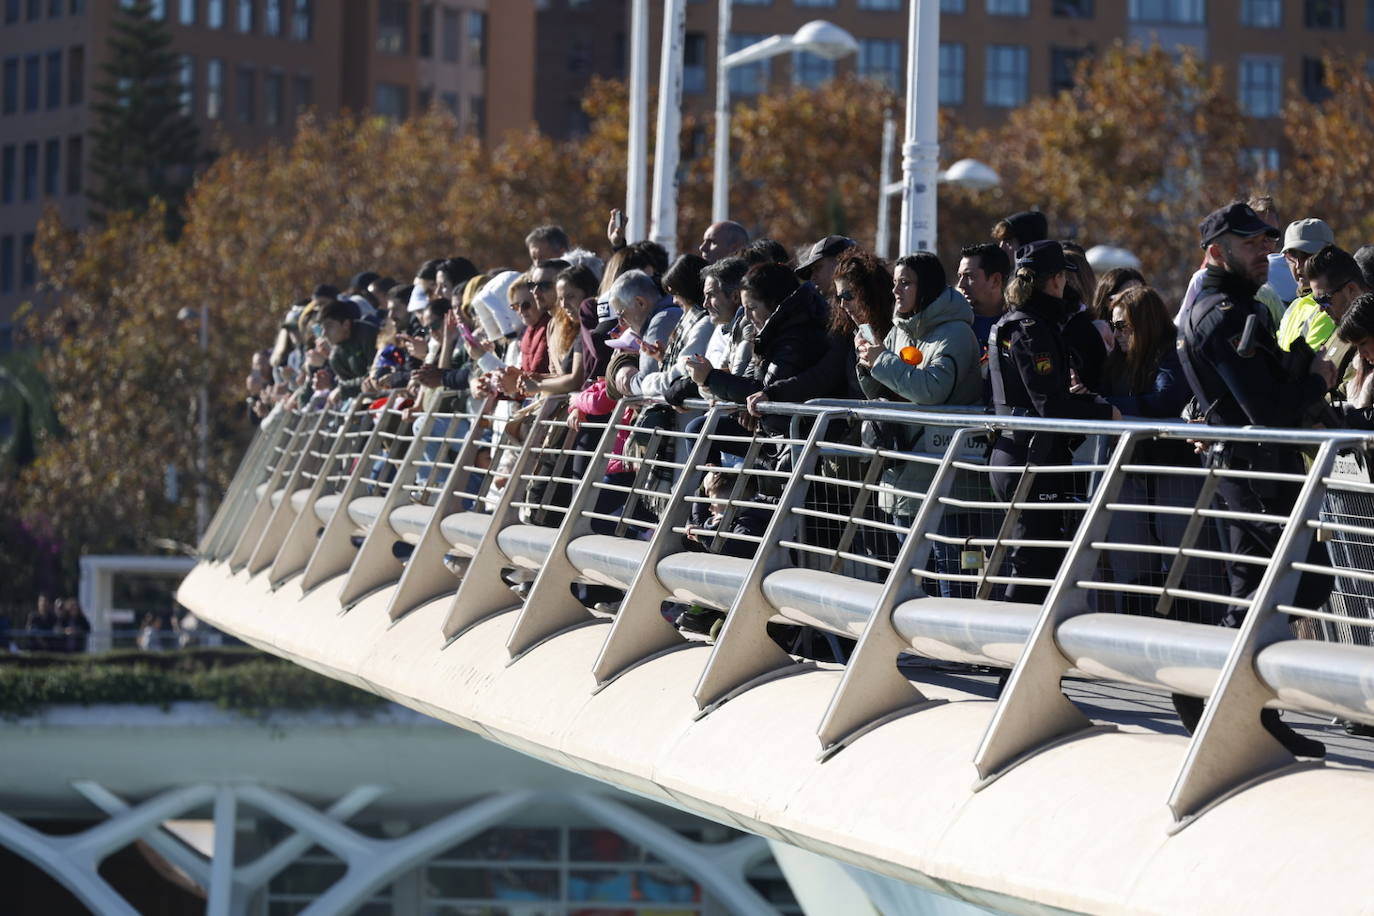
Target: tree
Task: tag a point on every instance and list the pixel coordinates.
(145, 144)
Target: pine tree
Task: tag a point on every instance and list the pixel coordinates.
(145, 144)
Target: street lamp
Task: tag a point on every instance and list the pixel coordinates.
(966, 173)
(202, 314)
(824, 39)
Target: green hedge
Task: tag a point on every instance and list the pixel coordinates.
(243, 680)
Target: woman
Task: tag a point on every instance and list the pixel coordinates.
(1110, 285)
(567, 364)
(1151, 383)
(790, 325)
(1357, 328)
(1029, 362)
(937, 320)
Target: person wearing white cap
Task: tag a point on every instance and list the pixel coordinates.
(1302, 239)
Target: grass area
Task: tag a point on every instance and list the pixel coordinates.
(240, 679)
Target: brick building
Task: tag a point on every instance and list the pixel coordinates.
(248, 68)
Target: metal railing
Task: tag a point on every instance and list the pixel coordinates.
(879, 524)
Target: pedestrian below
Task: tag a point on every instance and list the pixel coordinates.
(1239, 378)
(40, 627)
(1028, 363)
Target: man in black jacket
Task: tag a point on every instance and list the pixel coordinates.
(1239, 378)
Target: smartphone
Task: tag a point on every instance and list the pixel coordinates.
(467, 335)
(866, 330)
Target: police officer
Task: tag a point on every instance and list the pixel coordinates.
(1028, 365)
(1240, 378)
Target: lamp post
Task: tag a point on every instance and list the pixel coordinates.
(966, 173)
(921, 148)
(824, 39)
(637, 156)
(202, 314)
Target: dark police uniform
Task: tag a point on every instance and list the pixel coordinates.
(1028, 365)
(1239, 382)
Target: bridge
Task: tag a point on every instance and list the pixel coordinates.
(442, 560)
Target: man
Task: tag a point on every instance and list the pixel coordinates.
(818, 266)
(732, 344)
(354, 345)
(983, 273)
(545, 243)
(1239, 378)
(1301, 242)
(642, 308)
(1281, 282)
(1302, 239)
(1020, 229)
(1336, 281)
(723, 240)
(1273, 305)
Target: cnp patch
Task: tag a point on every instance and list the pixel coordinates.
(1043, 364)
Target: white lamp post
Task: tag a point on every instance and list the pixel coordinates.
(824, 39)
(921, 149)
(966, 173)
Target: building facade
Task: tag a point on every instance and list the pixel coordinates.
(249, 68)
(995, 55)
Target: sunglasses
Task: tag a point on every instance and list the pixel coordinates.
(846, 296)
(527, 304)
(535, 286)
(1121, 326)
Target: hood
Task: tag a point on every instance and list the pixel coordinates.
(950, 305)
(804, 307)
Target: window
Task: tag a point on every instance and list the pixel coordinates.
(477, 115)
(30, 177)
(1006, 76)
(1008, 7)
(951, 73)
(1261, 159)
(245, 16)
(1369, 15)
(75, 164)
(10, 103)
(271, 18)
(425, 39)
(450, 102)
(424, 98)
(11, 11)
(245, 82)
(1324, 14)
(186, 79)
(187, 13)
(813, 2)
(302, 93)
(273, 98)
(28, 269)
(76, 75)
(1073, 9)
(1261, 14)
(6, 264)
(78, 7)
(54, 9)
(35, 10)
(52, 167)
(750, 79)
(32, 71)
(393, 26)
(477, 40)
(7, 167)
(303, 20)
(951, 6)
(880, 59)
(391, 101)
(214, 13)
(450, 34)
(1063, 66)
(693, 62)
(1314, 80)
(214, 89)
(53, 98)
(880, 4)
(811, 70)
(1261, 86)
(1169, 12)
(157, 9)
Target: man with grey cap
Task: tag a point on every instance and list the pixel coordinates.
(818, 266)
(1303, 238)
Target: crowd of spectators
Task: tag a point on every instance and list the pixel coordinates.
(52, 626)
(1276, 328)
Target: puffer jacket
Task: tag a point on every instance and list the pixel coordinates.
(948, 373)
(791, 341)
